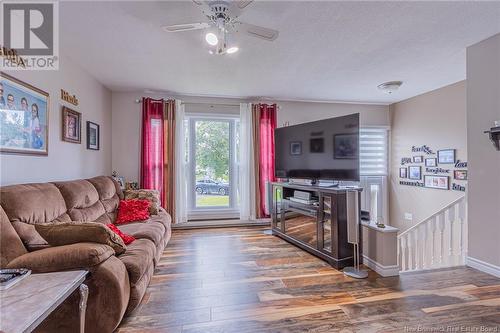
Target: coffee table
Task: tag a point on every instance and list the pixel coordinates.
(25, 305)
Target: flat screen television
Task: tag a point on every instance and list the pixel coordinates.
(320, 150)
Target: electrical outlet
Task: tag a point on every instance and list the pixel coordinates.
(409, 216)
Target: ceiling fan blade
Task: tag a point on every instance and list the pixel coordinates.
(242, 4)
(186, 27)
(257, 31)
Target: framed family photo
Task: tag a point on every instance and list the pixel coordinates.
(71, 127)
(446, 156)
(460, 174)
(24, 117)
(430, 162)
(418, 159)
(415, 172)
(93, 135)
(439, 182)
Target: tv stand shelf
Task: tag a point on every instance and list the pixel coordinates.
(318, 229)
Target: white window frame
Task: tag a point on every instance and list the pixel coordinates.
(208, 213)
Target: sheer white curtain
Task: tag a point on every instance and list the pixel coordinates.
(246, 167)
(180, 164)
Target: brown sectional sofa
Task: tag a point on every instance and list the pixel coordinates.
(116, 283)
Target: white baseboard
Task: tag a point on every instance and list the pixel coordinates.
(380, 269)
(483, 266)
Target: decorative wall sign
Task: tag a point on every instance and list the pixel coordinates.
(422, 149)
(67, 97)
(435, 171)
(418, 159)
(461, 165)
(403, 173)
(416, 184)
(456, 187)
(460, 174)
(431, 162)
(415, 172)
(406, 160)
(439, 182)
(446, 156)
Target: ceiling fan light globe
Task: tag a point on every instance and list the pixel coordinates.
(211, 38)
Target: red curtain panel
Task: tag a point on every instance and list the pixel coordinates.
(152, 146)
(267, 125)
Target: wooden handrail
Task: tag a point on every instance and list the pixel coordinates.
(433, 215)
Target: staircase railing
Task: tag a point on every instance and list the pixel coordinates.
(436, 242)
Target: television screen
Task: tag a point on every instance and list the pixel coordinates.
(324, 149)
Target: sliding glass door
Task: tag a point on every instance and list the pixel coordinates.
(213, 168)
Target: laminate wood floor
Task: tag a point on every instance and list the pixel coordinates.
(241, 280)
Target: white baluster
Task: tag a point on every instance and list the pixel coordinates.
(410, 254)
(402, 242)
(423, 229)
(461, 216)
(415, 247)
(432, 226)
(441, 222)
(451, 218)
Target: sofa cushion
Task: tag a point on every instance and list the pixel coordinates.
(145, 230)
(60, 258)
(33, 203)
(82, 200)
(29, 236)
(109, 193)
(74, 232)
(163, 217)
(153, 196)
(138, 257)
(11, 245)
(132, 210)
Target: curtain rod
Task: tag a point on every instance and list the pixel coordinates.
(139, 100)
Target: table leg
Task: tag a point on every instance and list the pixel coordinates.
(84, 294)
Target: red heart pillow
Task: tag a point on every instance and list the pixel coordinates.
(132, 210)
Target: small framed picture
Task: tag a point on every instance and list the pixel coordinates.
(72, 127)
(415, 172)
(317, 145)
(439, 182)
(93, 135)
(345, 146)
(296, 148)
(460, 174)
(403, 173)
(121, 181)
(418, 159)
(431, 162)
(446, 156)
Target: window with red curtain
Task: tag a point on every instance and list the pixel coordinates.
(267, 125)
(152, 167)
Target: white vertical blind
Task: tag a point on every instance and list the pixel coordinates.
(373, 151)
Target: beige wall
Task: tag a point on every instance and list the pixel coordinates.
(483, 108)
(438, 120)
(126, 124)
(65, 160)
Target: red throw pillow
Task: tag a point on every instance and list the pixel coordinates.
(127, 239)
(132, 210)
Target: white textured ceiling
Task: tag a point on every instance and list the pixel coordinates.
(337, 51)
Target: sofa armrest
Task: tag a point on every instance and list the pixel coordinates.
(66, 257)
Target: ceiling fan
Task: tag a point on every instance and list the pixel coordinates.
(222, 23)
